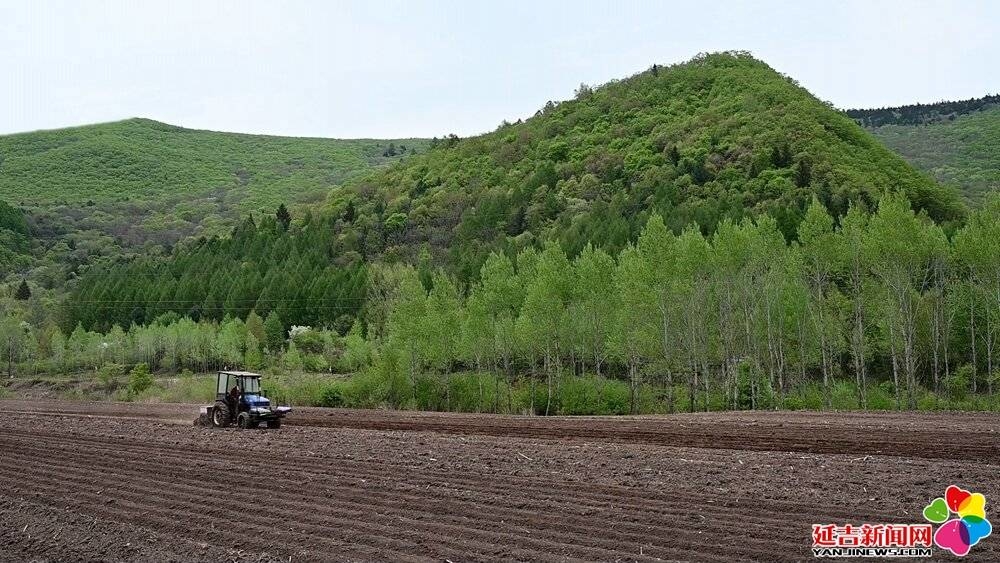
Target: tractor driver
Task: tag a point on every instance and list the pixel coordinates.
(234, 399)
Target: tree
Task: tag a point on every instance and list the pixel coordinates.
(255, 326)
(291, 360)
(899, 249)
(443, 322)
(975, 249)
(636, 333)
(544, 303)
(283, 216)
(23, 292)
(693, 290)
(657, 248)
(407, 323)
(852, 231)
(13, 341)
(139, 379)
(274, 333)
(594, 276)
(822, 252)
(252, 358)
(499, 296)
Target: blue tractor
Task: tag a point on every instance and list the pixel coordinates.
(239, 400)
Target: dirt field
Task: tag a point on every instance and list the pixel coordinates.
(104, 481)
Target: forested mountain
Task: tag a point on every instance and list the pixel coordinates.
(138, 186)
(723, 135)
(957, 142)
(720, 137)
(705, 235)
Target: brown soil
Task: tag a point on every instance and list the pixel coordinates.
(109, 481)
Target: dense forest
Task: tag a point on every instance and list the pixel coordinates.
(100, 193)
(276, 266)
(722, 136)
(14, 240)
(922, 114)
(706, 235)
(963, 151)
(877, 310)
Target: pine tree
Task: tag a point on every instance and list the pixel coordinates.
(283, 216)
(23, 292)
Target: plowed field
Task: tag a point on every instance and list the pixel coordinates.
(107, 481)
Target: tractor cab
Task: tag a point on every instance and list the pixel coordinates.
(239, 399)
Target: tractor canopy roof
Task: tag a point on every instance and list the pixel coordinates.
(240, 373)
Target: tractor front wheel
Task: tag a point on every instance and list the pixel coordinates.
(220, 415)
(276, 423)
(243, 420)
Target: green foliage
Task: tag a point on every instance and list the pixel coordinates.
(274, 332)
(259, 270)
(139, 379)
(593, 395)
(15, 240)
(956, 386)
(922, 114)
(959, 149)
(139, 160)
(722, 136)
(133, 189)
(357, 350)
(23, 292)
(110, 375)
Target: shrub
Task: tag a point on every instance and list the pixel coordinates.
(333, 394)
(357, 352)
(881, 397)
(476, 392)
(844, 396)
(315, 363)
(308, 341)
(956, 386)
(592, 395)
(139, 379)
(109, 375)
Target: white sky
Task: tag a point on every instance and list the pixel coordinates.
(428, 68)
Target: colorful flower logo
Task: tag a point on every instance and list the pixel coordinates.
(958, 535)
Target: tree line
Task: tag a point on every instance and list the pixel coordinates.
(887, 301)
(275, 266)
(883, 298)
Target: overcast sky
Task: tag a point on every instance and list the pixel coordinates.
(422, 68)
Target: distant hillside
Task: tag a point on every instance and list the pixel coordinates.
(723, 135)
(957, 142)
(921, 114)
(108, 189)
(144, 159)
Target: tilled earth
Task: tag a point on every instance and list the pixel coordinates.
(107, 481)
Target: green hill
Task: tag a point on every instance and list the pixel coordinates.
(144, 159)
(138, 185)
(720, 137)
(957, 142)
(723, 135)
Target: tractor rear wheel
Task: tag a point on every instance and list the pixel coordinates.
(243, 420)
(220, 415)
(276, 423)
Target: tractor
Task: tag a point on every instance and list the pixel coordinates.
(239, 400)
